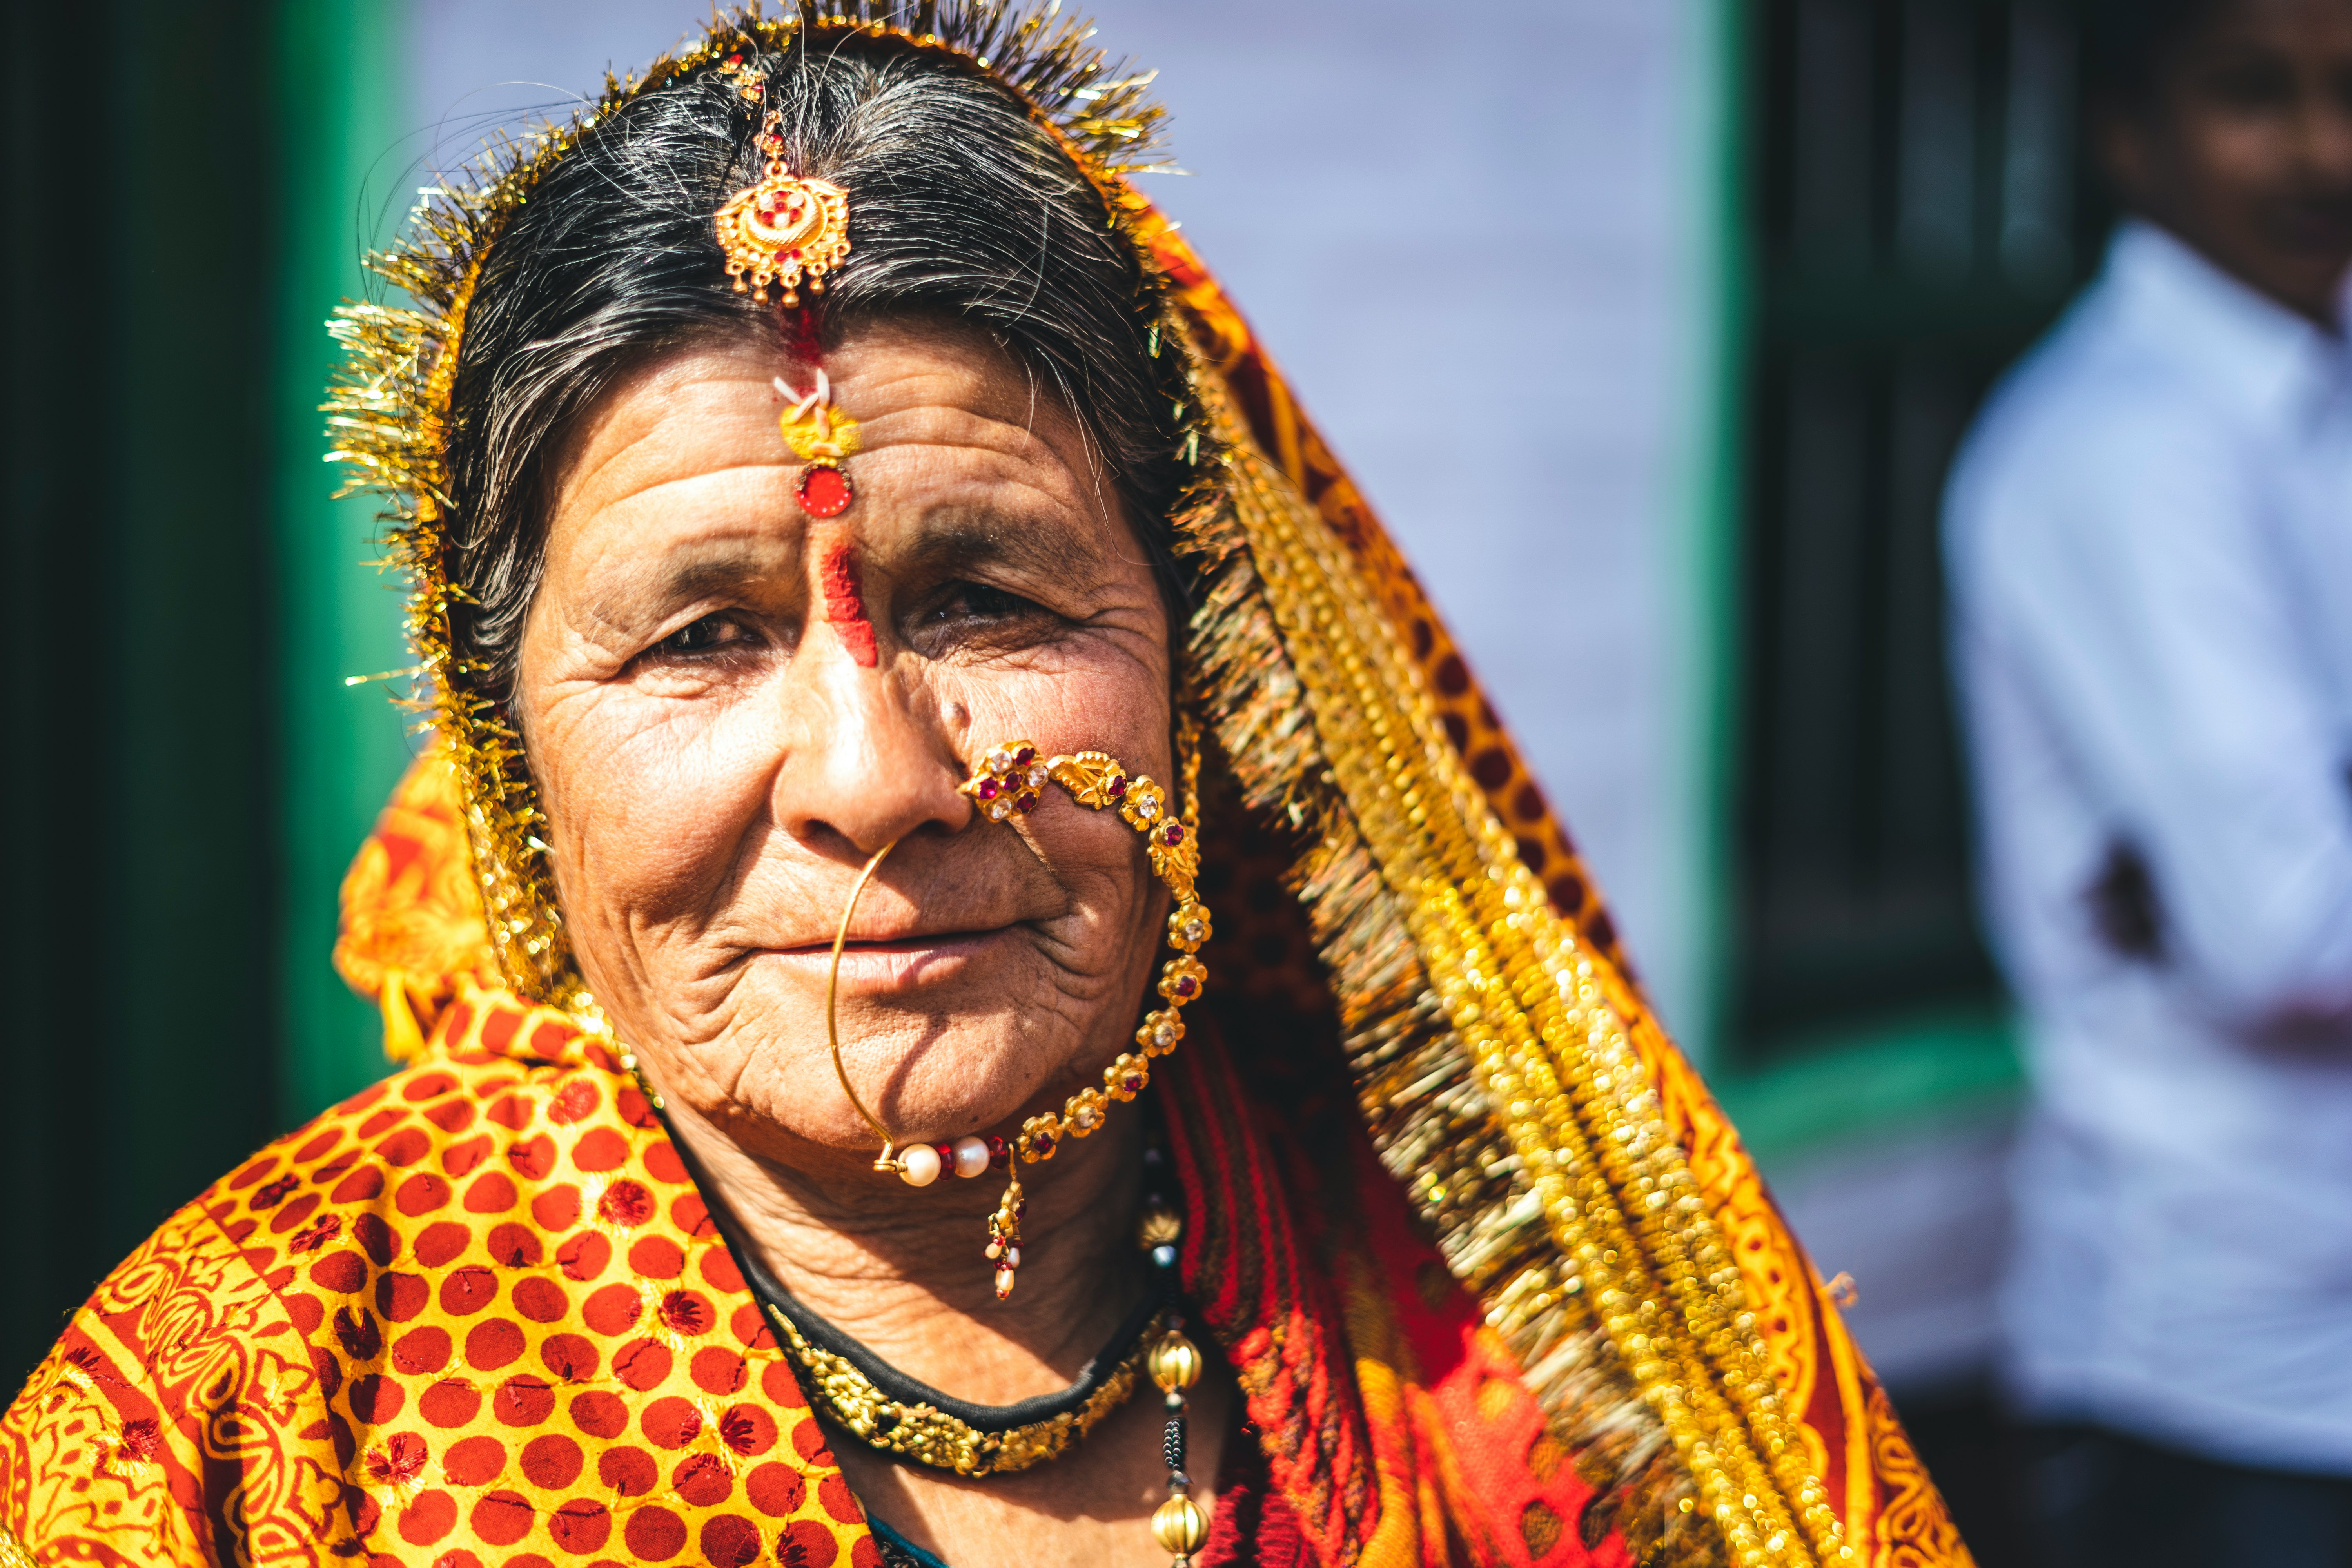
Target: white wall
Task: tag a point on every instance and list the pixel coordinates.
(1478, 248)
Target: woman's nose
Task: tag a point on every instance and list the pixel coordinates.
(866, 761)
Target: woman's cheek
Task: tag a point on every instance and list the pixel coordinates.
(655, 799)
(1116, 707)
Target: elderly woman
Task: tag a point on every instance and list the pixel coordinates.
(971, 965)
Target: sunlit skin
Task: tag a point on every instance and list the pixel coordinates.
(717, 766)
(2244, 147)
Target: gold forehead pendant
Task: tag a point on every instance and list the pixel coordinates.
(784, 228)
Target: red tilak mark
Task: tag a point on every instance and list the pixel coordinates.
(806, 344)
(843, 608)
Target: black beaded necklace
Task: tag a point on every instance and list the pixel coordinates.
(901, 1416)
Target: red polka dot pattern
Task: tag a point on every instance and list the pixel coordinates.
(520, 1345)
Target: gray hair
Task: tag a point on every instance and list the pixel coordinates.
(962, 206)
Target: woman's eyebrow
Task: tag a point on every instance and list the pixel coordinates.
(1029, 545)
(688, 572)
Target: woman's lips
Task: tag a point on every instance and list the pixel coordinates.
(890, 962)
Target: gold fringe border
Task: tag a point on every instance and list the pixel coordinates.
(1525, 1089)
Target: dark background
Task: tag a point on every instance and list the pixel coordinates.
(136, 918)
(1920, 210)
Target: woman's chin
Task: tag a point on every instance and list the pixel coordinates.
(819, 1127)
(960, 1074)
(930, 1037)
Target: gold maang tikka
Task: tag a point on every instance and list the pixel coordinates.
(783, 227)
(1010, 783)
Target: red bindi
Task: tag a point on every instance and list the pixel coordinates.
(823, 490)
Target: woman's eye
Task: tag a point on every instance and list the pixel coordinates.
(978, 600)
(701, 637)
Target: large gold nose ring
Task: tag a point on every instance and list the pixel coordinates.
(889, 1159)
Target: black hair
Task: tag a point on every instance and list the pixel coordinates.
(2127, 43)
(962, 207)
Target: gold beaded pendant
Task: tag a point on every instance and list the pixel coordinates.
(1175, 1363)
(1177, 1525)
(1009, 783)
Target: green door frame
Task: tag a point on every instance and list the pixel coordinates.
(345, 187)
(1909, 1068)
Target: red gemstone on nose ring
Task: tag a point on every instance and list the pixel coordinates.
(1025, 803)
(990, 789)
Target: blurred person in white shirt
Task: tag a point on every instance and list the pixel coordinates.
(2150, 544)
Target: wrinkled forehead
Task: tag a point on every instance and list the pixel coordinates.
(894, 381)
(683, 475)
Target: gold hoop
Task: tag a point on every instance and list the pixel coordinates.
(889, 1159)
(1009, 782)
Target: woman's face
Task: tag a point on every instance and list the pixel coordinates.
(728, 706)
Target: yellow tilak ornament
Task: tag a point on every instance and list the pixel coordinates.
(820, 435)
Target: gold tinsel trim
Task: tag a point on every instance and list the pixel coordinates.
(1490, 1061)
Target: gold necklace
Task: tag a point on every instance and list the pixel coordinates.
(919, 1430)
(894, 1413)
